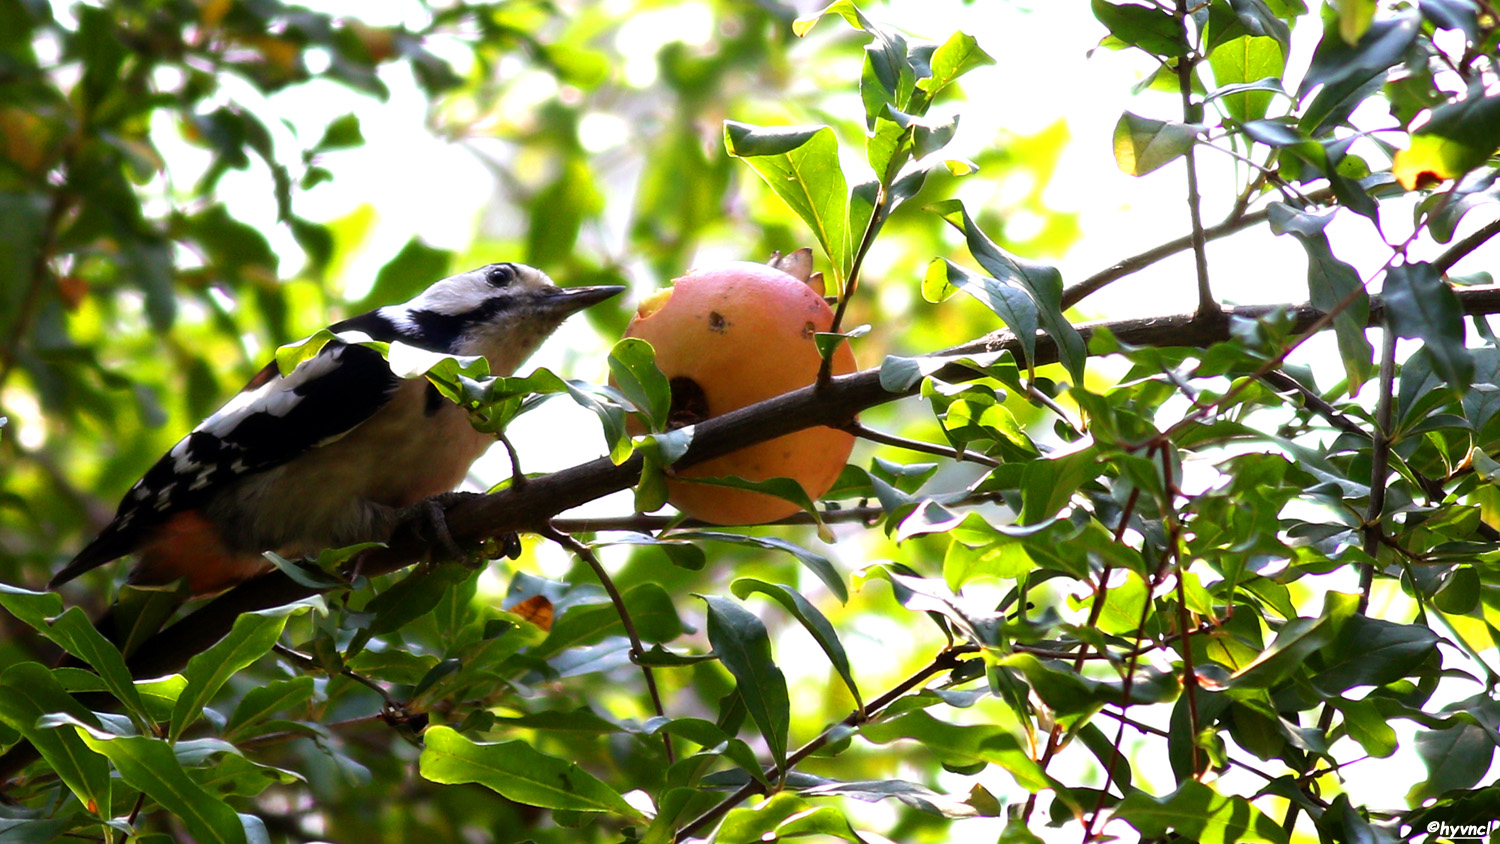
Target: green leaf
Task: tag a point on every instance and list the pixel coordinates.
(518, 772)
(342, 133)
(76, 633)
(1048, 485)
(1460, 137)
(1298, 639)
(261, 702)
(1244, 61)
(1010, 302)
(1373, 652)
(784, 488)
(650, 608)
(809, 617)
(632, 365)
(710, 736)
(557, 213)
(1420, 304)
(889, 75)
(28, 692)
(251, 638)
(1380, 48)
(413, 596)
(1366, 724)
(1154, 30)
(984, 743)
(1331, 283)
(150, 766)
(952, 59)
(1142, 144)
(1198, 813)
(801, 165)
(1457, 757)
(1041, 282)
(781, 817)
(744, 648)
(917, 796)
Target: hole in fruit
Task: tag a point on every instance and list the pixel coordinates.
(689, 404)
(717, 322)
(653, 303)
(808, 330)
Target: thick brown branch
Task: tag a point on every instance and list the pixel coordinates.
(530, 506)
(526, 508)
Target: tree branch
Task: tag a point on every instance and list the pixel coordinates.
(1235, 223)
(528, 508)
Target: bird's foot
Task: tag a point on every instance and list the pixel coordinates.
(428, 519)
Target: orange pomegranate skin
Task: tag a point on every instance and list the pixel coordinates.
(743, 333)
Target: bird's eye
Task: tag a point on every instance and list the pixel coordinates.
(500, 275)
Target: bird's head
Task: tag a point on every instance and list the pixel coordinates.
(500, 311)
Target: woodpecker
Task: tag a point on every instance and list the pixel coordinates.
(334, 452)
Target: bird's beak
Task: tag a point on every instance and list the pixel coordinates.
(569, 300)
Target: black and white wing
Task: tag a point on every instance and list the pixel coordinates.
(271, 421)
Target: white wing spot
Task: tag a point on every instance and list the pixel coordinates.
(276, 397)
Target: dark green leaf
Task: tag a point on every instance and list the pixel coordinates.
(1197, 812)
(985, 743)
(632, 366)
(801, 165)
(650, 608)
(744, 648)
(1332, 284)
(251, 638)
(811, 619)
(412, 269)
(1153, 30)
(516, 771)
(782, 817)
(816, 563)
(1420, 304)
(30, 692)
(150, 766)
(1383, 45)
(1041, 282)
(1010, 302)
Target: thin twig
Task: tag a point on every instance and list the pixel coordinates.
(637, 649)
(1208, 307)
(945, 661)
(1096, 282)
(935, 449)
(1380, 457)
(1458, 251)
(1096, 609)
(1160, 733)
(825, 369)
(643, 522)
(1280, 381)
